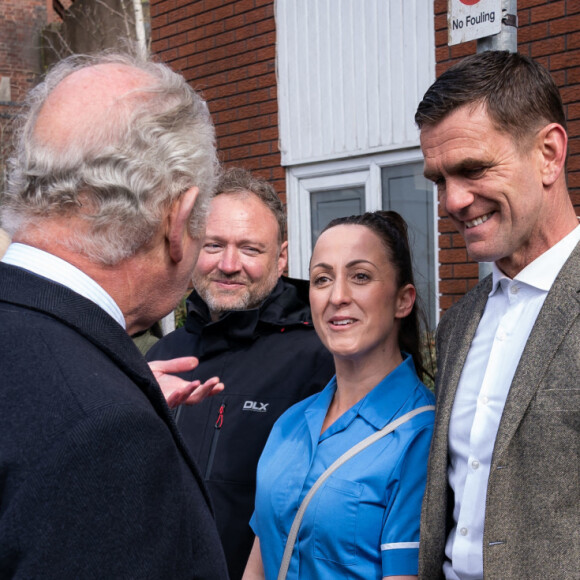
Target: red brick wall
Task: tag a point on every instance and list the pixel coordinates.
(548, 31)
(20, 25)
(226, 49)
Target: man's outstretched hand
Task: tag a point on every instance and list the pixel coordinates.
(178, 391)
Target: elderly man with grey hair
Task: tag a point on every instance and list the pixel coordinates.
(108, 188)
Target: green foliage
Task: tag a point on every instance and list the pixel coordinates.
(181, 312)
(429, 358)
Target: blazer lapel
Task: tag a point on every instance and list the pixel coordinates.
(454, 336)
(457, 338)
(558, 314)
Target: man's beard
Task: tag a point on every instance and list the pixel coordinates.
(242, 299)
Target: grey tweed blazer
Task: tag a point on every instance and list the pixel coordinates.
(532, 516)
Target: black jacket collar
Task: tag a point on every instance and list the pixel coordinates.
(287, 305)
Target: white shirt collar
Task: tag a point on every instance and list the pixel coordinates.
(542, 272)
(58, 270)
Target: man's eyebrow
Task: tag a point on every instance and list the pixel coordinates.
(457, 168)
(242, 242)
(431, 175)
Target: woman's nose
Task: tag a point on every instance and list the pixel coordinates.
(340, 293)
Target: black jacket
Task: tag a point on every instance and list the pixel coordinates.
(95, 480)
(268, 358)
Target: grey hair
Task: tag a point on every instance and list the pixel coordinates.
(124, 172)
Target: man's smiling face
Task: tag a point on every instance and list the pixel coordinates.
(491, 188)
(241, 257)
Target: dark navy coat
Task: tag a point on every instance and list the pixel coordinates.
(95, 481)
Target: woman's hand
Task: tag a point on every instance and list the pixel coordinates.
(178, 391)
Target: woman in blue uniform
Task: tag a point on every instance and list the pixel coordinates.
(363, 521)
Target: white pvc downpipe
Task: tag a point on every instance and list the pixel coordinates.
(140, 27)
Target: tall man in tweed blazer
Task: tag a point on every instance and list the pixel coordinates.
(502, 496)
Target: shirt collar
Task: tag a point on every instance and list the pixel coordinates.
(383, 403)
(58, 270)
(378, 407)
(542, 272)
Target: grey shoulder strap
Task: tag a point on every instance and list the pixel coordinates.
(329, 471)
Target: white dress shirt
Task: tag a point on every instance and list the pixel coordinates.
(49, 266)
(508, 318)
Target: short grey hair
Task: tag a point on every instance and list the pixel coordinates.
(126, 170)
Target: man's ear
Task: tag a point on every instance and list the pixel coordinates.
(553, 141)
(283, 258)
(178, 223)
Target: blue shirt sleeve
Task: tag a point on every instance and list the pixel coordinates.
(400, 537)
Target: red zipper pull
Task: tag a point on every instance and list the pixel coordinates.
(220, 420)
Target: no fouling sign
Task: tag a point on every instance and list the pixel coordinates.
(472, 19)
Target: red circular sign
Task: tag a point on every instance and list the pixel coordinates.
(469, 2)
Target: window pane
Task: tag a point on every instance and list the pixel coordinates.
(330, 204)
(407, 192)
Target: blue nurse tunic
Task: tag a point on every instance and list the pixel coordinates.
(364, 521)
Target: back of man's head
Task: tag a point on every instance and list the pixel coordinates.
(520, 96)
(112, 140)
